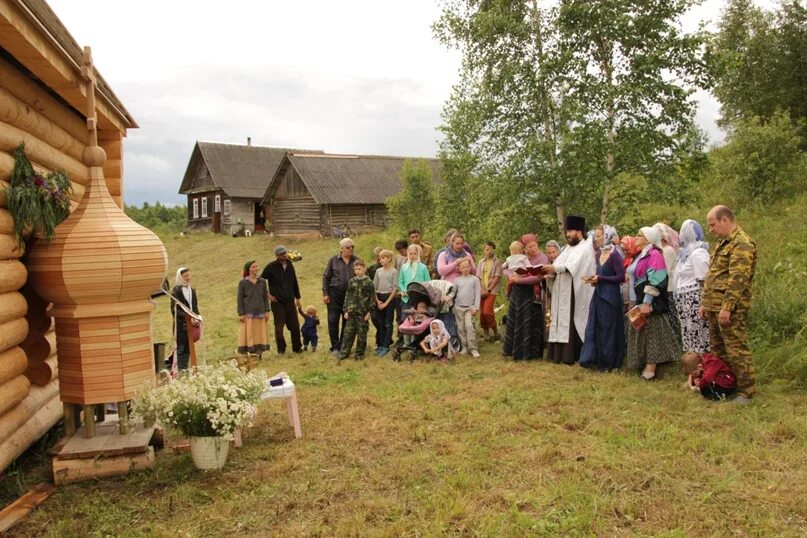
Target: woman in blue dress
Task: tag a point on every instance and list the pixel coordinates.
(604, 346)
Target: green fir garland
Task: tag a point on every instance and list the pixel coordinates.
(38, 203)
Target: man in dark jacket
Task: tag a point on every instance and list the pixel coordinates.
(284, 293)
(337, 274)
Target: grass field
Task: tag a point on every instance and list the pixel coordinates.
(483, 447)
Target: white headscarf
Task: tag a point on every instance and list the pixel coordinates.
(608, 236)
(434, 340)
(653, 235)
(179, 281)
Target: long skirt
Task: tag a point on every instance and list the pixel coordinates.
(656, 343)
(694, 330)
(524, 331)
(604, 347)
(252, 336)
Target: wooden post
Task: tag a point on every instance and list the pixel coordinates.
(123, 417)
(69, 419)
(89, 421)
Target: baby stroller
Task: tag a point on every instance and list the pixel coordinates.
(417, 292)
(446, 313)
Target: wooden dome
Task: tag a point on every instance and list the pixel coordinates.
(99, 272)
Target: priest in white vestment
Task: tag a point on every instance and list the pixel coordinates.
(571, 296)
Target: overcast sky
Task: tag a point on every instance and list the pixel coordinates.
(349, 76)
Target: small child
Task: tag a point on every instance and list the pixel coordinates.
(516, 260)
(309, 328)
(359, 303)
(710, 374)
(466, 306)
(418, 314)
(438, 342)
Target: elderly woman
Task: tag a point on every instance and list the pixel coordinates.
(604, 345)
(693, 264)
(253, 311)
(524, 331)
(657, 342)
(552, 249)
(448, 260)
(337, 274)
(183, 294)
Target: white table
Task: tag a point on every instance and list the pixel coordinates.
(288, 392)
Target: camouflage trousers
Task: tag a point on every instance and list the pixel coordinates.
(355, 328)
(731, 344)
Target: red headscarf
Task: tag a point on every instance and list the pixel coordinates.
(628, 245)
(528, 238)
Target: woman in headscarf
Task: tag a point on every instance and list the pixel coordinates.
(524, 331)
(604, 345)
(669, 248)
(552, 250)
(693, 264)
(657, 342)
(185, 295)
(253, 311)
(447, 262)
(628, 246)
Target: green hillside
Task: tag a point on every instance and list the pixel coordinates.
(488, 446)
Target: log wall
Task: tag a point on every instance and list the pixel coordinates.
(359, 218)
(55, 137)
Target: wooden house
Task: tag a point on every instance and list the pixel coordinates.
(225, 184)
(331, 194)
(42, 98)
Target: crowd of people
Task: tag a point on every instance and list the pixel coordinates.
(602, 301)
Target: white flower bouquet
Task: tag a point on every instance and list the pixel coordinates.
(209, 401)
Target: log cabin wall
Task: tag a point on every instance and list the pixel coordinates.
(54, 136)
(360, 218)
(292, 208)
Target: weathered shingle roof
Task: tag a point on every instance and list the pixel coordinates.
(353, 179)
(240, 171)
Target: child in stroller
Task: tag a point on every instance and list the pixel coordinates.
(447, 291)
(416, 324)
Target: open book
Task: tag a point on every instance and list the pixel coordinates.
(534, 270)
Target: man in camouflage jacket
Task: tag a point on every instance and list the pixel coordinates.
(726, 297)
(359, 303)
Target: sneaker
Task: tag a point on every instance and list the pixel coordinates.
(305, 348)
(740, 400)
(335, 353)
(314, 349)
(475, 354)
(359, 357)
(383, 351)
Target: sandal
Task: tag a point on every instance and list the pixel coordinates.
(645, 378)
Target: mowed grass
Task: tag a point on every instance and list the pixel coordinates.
(483, 447)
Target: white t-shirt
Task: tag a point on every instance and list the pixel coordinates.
(689, 274)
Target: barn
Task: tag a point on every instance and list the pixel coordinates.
(331, 194)
(225, 183)
(44, 96)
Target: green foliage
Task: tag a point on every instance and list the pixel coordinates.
(38, 203)
(555, 103)
(763, 159)
(159, 218)
(414, 206)
(758, 61)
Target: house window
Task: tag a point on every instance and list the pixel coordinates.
(217, 204)
(204, 207)
(196, 208)
(227, 207)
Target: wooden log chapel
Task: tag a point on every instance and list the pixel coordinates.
(47, 87)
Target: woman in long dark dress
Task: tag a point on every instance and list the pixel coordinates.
(604, 346)
(524, 331)
(185, 295)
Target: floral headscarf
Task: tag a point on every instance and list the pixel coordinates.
(692, 238)
(669, 235)
(608, 236)
(434, 340)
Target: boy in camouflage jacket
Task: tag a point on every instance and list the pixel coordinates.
(359, 303)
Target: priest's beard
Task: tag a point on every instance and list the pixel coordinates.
(573, 241)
